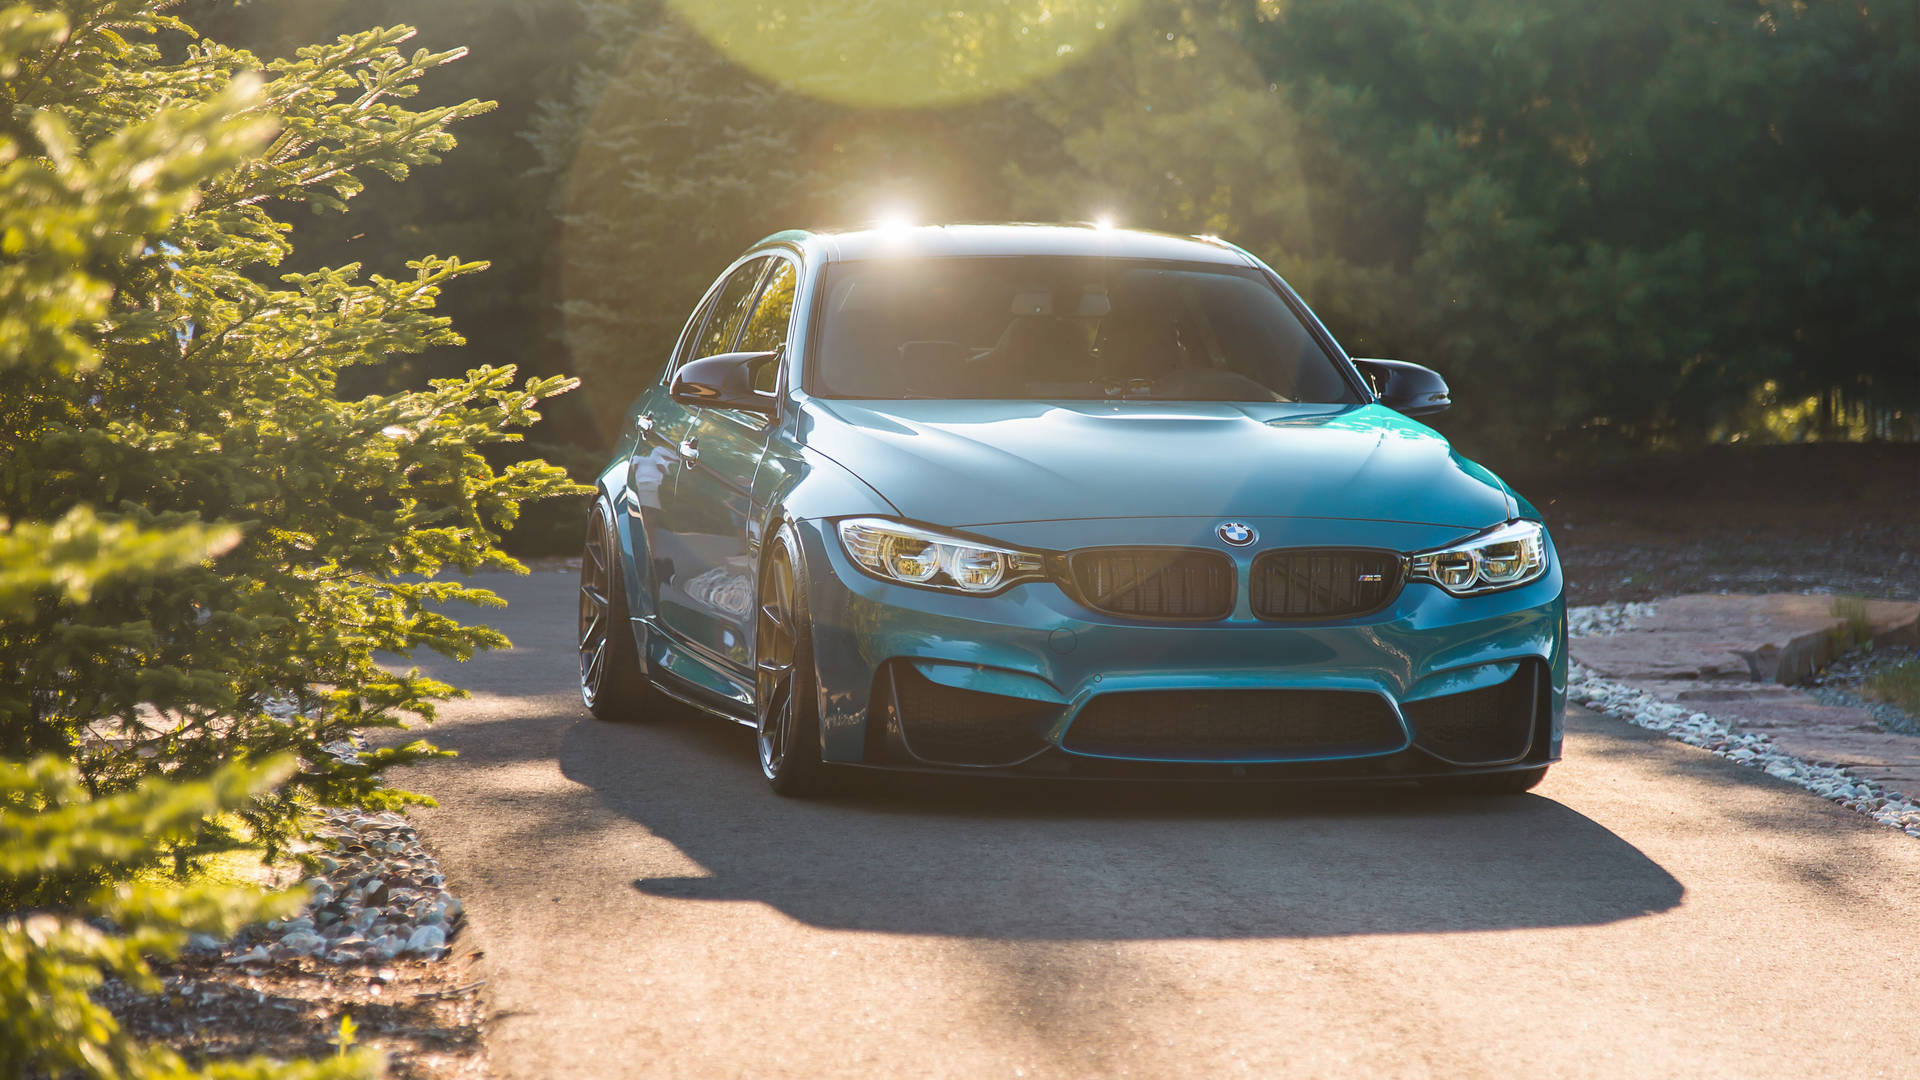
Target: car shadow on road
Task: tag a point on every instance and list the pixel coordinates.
(1061, 860)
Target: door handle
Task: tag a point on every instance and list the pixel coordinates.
(690, 449)
(644, 422)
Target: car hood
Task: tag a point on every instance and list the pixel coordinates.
(969, 463)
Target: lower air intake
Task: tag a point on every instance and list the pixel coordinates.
(949, 726)
(1236, 725)
(1490, 726)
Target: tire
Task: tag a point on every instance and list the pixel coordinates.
(612, 685)
(1490, 784)
(788, 734)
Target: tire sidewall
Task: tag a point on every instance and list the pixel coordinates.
(623, 690)
(800, 772)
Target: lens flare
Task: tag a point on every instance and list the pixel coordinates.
(904, 53)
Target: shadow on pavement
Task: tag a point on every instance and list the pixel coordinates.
(1072, 861)
(1034, 860)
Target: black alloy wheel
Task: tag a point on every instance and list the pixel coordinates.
(789, 727)
(611, 683)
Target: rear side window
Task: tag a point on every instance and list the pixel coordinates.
(730, 309)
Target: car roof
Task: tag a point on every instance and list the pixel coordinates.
(1011, 239)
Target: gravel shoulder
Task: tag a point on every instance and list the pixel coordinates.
(426, 1017)
(377, 919)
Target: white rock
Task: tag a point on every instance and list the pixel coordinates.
(304, 942)
(426, 939)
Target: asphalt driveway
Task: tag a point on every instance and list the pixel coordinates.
(648, 908)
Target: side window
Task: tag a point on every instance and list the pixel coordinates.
(690, 336)
(730, 309)
(767, 327)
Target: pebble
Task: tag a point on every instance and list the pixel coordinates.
(427, 940)
(1600, 620)
(304, 942)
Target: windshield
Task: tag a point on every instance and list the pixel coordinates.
(1065, 328)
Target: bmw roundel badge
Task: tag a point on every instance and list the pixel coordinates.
(1237, 533)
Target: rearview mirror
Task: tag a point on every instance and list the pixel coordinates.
(1406, 388)
(724, 381)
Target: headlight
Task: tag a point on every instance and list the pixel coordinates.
(915, 556)
(1500, 558)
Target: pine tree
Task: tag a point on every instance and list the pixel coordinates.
(79, 198)
(158, 377)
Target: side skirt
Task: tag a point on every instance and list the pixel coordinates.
(679, 672)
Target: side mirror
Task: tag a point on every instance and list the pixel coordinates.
(1406, 388)
(724, 382)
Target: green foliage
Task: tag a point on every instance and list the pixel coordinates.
(1898, 684)
(1858, 625)
(76, 553)
(202, 542)
(158, 377)
(71, 855)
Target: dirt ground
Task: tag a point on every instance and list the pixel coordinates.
(1842, 518)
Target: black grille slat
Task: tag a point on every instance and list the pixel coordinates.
(1228, 725)
(1155, 583)
(1290, 583)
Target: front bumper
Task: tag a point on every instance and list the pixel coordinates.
(1043, 659)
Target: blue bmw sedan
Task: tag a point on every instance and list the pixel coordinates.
(1062, 501)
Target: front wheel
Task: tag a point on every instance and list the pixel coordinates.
(611, 683)
(789, 728)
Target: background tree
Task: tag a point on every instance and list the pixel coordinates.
(1627, 218)
(665, 159)
(1615, 226)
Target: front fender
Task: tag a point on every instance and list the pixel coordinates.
(631, 538)
(799, 484)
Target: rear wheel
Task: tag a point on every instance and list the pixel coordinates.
(611, 683)
(789, 728)
(1506, 783)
